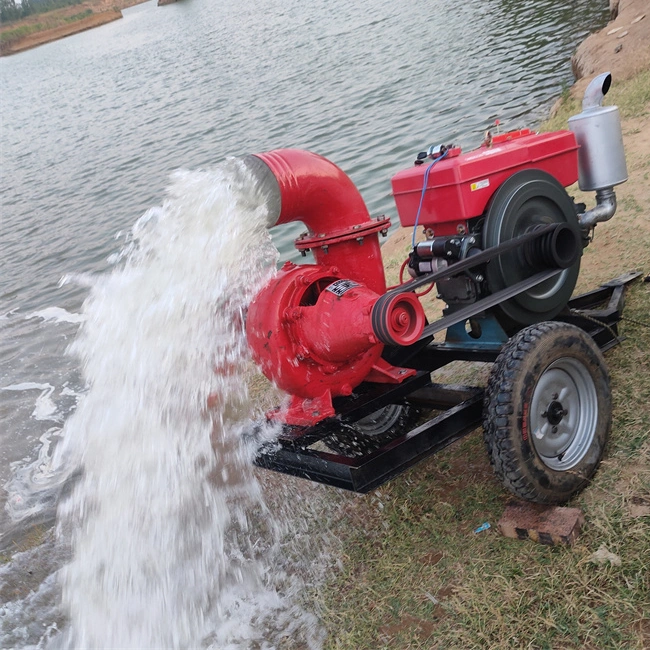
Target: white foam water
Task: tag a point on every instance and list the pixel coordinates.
(172, 545)
(56, 314)
(44, 408)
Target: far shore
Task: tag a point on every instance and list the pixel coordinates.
(39, 29)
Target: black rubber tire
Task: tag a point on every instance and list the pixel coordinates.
(527, 199)
(530, 366)
(374, 431)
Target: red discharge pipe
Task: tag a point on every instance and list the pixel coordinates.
(312, 189)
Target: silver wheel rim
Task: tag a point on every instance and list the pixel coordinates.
(563, 414)
(380, 421)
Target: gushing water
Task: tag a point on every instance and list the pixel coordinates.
(171, 542)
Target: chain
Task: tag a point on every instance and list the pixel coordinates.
(597, 322)
(636, 322)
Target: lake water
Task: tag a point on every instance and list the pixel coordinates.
(93, 126)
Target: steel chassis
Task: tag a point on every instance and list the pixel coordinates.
(458, 408)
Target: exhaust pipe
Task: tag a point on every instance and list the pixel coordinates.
(601, 157)
(604, 210)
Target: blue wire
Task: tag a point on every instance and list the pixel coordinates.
(424, 189)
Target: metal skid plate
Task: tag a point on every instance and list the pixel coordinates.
(456, 410)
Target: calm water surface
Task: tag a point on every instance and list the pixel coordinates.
(93, 125)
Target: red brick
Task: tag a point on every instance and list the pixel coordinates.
(549, 525)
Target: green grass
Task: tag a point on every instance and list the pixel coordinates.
(48, 21)
(11, 35)
(79, 16)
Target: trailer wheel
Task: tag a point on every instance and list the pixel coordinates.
(547, 412)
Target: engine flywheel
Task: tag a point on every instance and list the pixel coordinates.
(527, 200)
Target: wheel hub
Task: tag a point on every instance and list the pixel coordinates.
(555, 412)
(563, 414)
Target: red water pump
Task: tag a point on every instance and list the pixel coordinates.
(502, 245)
(318, 330)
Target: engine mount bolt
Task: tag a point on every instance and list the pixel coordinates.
(479, 278)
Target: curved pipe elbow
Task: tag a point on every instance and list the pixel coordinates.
(596, 90)
(604, 210)
(314, 190)
(304, 186)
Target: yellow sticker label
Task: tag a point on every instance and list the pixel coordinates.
(479, 185)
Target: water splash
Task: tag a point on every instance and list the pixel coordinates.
(172, 543)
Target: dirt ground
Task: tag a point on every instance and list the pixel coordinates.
(622, 48)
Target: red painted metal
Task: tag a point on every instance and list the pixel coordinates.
(310, 332)
(318, 330)
(310, 328)
(459, 188)
(321, 195)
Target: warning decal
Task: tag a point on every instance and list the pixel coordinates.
(339, 287)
